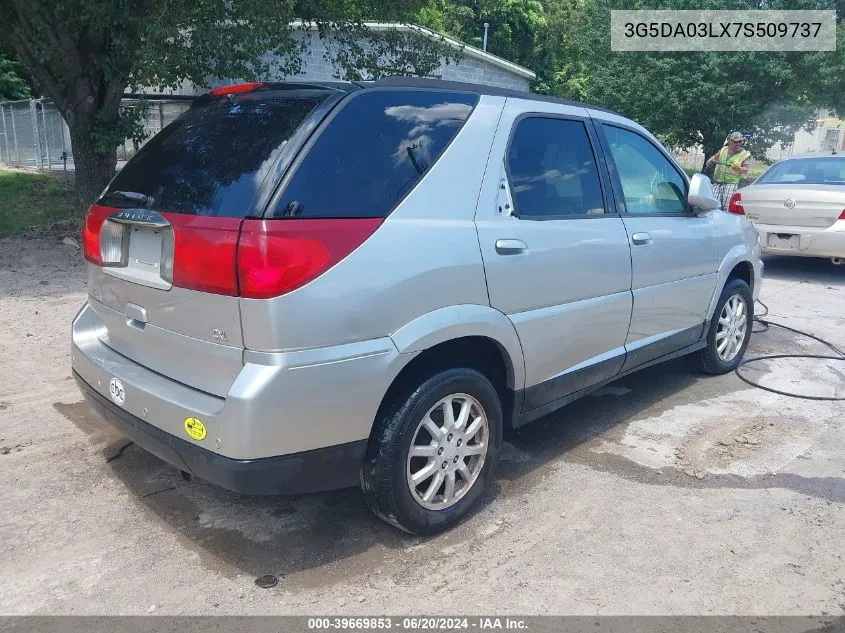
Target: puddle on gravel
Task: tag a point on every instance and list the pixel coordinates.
(827, 488)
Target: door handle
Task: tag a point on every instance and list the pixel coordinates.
(641, 239)
(510, 247)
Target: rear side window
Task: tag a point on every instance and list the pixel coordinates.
(373, 153)
(806, 171)
(212, 159)
(552, 170)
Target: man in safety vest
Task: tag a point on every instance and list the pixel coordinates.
(730, 163)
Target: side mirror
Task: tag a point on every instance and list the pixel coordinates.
(700, 196)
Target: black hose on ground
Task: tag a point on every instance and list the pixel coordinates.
(766, 325)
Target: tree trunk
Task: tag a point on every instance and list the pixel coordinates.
(93, 170)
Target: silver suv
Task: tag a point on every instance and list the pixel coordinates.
(301, 287)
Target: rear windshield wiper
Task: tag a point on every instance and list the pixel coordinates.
(134, 196)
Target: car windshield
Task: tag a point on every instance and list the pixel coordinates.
(827, 170)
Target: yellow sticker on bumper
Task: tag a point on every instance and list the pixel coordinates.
(195, 428)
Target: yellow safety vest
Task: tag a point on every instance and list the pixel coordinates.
(723, 172)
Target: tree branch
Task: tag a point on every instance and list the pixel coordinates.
(43, 74)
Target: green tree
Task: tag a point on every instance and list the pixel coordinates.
(516, 27)
(561, 69)
(84, 54)
(12, 83)
(691, 98)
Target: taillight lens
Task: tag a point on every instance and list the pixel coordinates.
(257, 259)
(113, 243)
(278, 256)
(735, 204)
(842, 215)
(167, 255)
(91, 232)
(203, 251)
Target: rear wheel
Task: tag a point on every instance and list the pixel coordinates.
(730, 330)
(433, 450)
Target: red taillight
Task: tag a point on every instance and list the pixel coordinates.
(204, 252)
(91, 232)
(278, 256)
(229, 90)
(735, 204)
(842, 215)
(257, 259)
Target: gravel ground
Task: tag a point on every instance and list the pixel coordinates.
(664, 493)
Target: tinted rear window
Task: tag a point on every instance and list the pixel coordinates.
(806, 171)
(211, 160)
(373, 153)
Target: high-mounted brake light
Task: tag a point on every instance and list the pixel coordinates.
(235, 88)
(735, 204)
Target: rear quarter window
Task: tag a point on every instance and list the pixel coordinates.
(372, 153)
(212, 160)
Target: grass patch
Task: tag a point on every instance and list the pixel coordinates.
(30, 201)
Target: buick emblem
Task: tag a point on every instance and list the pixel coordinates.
(789, 203)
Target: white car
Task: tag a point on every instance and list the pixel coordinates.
(798, 207)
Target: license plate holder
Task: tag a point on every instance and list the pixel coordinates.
(145, 249)
(144, 258)
(784, 241)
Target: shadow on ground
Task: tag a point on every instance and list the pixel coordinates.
(286, 535)
(804, 270)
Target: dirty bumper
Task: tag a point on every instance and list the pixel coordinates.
(327, 468)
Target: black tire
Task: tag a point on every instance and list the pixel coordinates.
(708, 359)
(384, 475)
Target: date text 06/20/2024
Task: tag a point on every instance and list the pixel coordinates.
(481, 623)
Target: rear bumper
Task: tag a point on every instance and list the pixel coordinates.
(812, 242)
(310, 471)
(278, 404)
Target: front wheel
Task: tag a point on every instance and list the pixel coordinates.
(433, 450)
(730, 330)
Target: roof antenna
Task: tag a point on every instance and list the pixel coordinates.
(484, 43)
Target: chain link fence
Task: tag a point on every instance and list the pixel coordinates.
(161, 114)
(34, 134)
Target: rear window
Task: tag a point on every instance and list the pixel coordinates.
(211, 160)
(806, 171)
(373, 153)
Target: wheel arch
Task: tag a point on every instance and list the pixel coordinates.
(441, 330)
(737, 264)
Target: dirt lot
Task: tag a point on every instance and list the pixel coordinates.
(665, 493)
